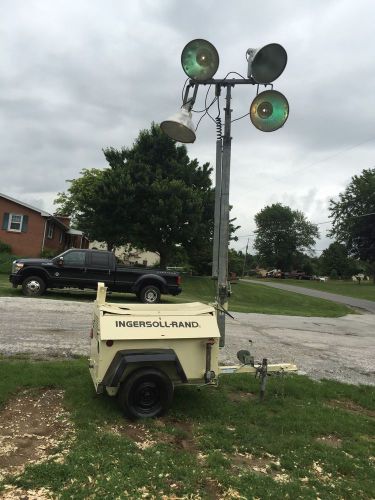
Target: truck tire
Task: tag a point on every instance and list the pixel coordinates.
(150, 294)
(147, 393)
(33, 286)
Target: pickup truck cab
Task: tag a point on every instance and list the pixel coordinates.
(78, 268)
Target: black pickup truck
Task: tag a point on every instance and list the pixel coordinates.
(77, 268)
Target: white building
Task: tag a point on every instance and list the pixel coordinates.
(129, 255)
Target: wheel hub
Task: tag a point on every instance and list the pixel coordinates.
(33, 286)
(147, 396)
(151, 296)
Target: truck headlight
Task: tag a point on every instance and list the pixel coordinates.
(16, 266)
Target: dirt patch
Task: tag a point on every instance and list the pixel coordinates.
(181, 436)
(267, 464)
(13, 493)
(33, 424)
(350, 406)
(239, 396)
(332, 441)
(138, 433)
(213, 489)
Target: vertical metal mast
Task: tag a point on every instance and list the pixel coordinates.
(222, 281)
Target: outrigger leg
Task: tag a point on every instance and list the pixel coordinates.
(262, 373)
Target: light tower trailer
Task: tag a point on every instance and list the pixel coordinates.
(139, 352)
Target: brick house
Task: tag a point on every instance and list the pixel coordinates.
(31, 231)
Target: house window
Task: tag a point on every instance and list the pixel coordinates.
(15, 222)
(50, 231)
(61, 237)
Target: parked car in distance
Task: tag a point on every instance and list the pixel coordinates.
(320, 278)
(78, 268)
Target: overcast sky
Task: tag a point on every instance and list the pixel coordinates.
(80, 75)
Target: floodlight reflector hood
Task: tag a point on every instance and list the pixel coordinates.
(269, 110)
(200, 60)
(179, 126)
(267, 63)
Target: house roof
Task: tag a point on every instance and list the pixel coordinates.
(42, 212)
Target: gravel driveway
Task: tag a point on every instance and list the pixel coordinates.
(337, 348)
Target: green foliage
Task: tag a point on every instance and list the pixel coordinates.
(236, 261)
(48, 254)
(171, 196)
(354, 217)
(93, 207)
(5, 248)
(335, 257)
(6, 260)
(333, 274)
(283, 233)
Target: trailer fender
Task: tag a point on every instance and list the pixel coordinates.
(150, 357)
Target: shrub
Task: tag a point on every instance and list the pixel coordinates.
(333, 274)
(6, 261)
(48, 254)
(5, 248)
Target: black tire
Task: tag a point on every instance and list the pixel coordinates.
(33, 286)
(150, 294)
(147, 393)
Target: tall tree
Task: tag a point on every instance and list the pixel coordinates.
(354, 217)
(281, 234)
(335, 257)
(171, 194)
(92, 206)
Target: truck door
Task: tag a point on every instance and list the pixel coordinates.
(100, 267)
(72, 270)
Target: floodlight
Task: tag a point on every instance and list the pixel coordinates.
(179, 126)
(267, 63)
(200, 60)
(269, 110)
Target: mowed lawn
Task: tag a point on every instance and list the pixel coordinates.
(306, 440)
(350, 288)
(245, 298)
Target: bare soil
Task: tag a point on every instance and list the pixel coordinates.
(34, 427)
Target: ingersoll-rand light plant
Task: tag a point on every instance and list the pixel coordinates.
(140, 352)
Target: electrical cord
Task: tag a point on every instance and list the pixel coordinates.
(240, 117)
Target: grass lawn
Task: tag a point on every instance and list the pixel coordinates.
(366, 290)
(307, 440)
(245, 298)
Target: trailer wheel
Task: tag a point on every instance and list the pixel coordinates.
(150, 294)
(147, 393)
(33, 286)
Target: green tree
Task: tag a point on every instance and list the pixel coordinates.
(335, 257)
(281, 234)
(171, 195)
(354, 218)
(92, 208)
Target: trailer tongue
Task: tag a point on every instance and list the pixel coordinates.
(141, 352)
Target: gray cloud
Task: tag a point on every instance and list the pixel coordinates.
(79, 76)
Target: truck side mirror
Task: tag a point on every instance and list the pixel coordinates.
(60, 261)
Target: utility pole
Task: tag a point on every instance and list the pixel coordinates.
(244, 261)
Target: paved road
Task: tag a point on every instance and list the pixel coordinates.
(367, 305)
(337, 348)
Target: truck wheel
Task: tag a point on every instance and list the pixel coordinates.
(147, 393)
(33, 286)
(150, 294)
